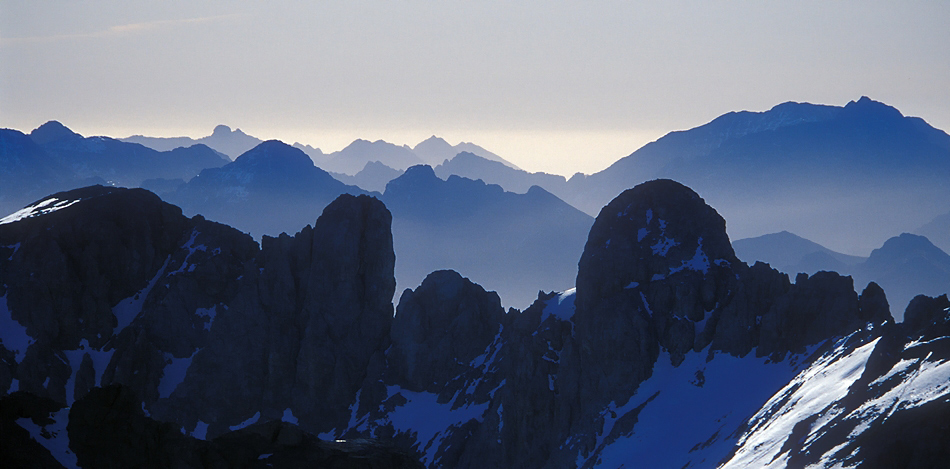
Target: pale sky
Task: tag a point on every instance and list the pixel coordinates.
(556, 86)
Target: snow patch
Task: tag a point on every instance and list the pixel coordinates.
(208, 314)
(699, 262)
(201, 430)
(423, 416)
(561, 306)
(100, 359)
(41, 208)
(15, 247)
(642, 233)
(488, 356)
(128, 309)
(288, 416)
(714, 397)
(53, 437)
(174, 373)
(663, 246)
(646, 304)
(813, 392)
(190, 246)
(254, 418)
(13, 335)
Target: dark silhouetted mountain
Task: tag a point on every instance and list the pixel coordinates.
(515, 244)
(354, 157)
(843, 176)
(373, 177)
(472, 166)
(133, 331)
(270, 189)
(792, 254)
(222, 139)
(434, 151)
(905, 266)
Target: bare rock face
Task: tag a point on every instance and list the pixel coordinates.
(440, 328)
(658, 272)
(108, 285)
(657, 266)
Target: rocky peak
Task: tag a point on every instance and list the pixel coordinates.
(658, 272)
(51, 132)
(440, 327)
(659, 258)
(867, 108)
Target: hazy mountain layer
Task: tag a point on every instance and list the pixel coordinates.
(514, 244)
(905, 266)
(229, 142)
(270, 189)
(53, 158)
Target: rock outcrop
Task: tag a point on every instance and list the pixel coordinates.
(106, 285)
(187, 333)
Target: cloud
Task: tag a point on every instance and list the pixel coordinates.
(117, 31)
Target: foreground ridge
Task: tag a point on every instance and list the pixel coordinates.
(669, 352)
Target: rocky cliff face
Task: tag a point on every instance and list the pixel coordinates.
(211, 334)
(207, 329)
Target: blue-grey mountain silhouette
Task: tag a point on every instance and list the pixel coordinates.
(905, 266)
(515, 244)
(373, 177)
(222, 139)
(434, 151)
(270, 189)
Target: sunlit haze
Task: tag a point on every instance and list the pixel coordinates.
(559, 87)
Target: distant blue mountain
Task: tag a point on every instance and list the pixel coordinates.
(270, 189)
(354, 157)
(515, 244)
(53, 158)
(473, 166)
(849, 177)
(373, 177)
(121, 163)
(792, 254)
(434, 151)
(904, 266)
(222, 139)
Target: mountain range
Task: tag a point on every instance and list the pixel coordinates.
(133, 334)
(222, 139)
(502, 239)
(847, 177)
(53, 158)
(904, 266)
(348, 161)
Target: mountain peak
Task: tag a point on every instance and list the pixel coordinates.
(51, 131)
(906, 245)
(433, 141)
(221, 130)
(275, 151)
(867, 107)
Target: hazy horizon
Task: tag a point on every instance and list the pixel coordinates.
(559, 87)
